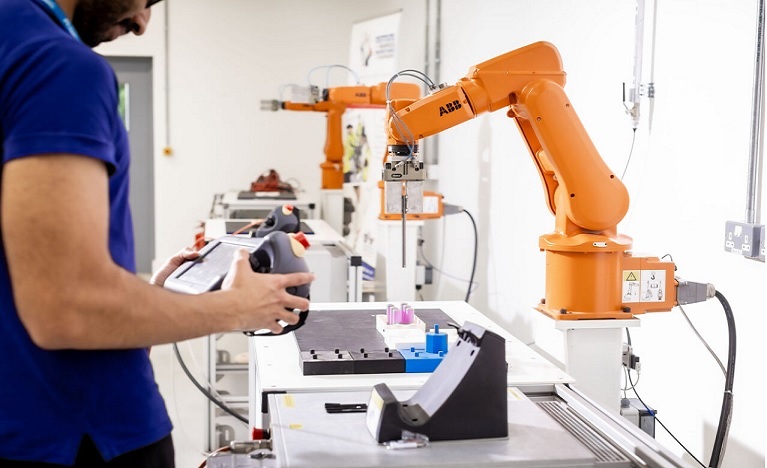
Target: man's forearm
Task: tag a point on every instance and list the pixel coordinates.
(120, 310)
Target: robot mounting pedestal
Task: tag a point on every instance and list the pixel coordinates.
(593, 356)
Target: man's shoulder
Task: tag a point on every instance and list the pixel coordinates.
(53, 50)
(38, 61)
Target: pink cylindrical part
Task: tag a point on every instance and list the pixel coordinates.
(407, 314)
(393, 315)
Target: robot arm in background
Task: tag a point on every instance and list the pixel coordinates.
(334, 102)
(589, 268)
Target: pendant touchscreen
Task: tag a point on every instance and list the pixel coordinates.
(207, 272)
(275, 253)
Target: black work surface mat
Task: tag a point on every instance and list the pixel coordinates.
(353, 330)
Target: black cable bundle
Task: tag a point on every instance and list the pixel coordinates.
(725, 417)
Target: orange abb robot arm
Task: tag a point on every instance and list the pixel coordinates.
(590, 273)
(334, 102)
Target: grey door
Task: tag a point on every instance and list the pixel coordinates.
(135, 77)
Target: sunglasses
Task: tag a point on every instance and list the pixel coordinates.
(149, 3)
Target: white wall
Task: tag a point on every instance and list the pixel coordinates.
(686, 177)
(225, 57)
(152, 45)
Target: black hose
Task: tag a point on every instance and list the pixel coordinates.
(210, 396)
(725, 417)
(474, 264)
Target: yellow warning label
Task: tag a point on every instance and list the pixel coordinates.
(631, 285)
(287, 401)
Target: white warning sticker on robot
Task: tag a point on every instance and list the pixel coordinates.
(644, 285)
(653, 286)
(631, 285)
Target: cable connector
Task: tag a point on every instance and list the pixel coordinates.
(688, 292)
(448, 209)
(249, 445)
(433, 88)
(630, 360)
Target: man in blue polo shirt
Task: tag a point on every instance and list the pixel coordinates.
(76, 384)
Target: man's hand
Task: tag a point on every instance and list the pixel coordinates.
(170, 265)
(262, 299)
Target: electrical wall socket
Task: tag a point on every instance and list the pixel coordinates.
(744, 239)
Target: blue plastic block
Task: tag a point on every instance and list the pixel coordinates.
(418, 360)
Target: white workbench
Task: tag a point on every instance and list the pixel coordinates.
(304, 436)
(275, 361)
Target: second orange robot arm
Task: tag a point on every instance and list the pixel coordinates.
(334, 103)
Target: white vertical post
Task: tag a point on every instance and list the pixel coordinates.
(398, 279)
(332, 208)
(593, 357)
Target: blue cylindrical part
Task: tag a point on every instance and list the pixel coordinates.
(436, 342)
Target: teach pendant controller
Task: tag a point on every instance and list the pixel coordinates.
(277, 252)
